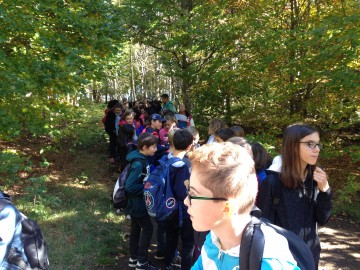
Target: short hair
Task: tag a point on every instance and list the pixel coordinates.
(165, 96)
(117, 105)
(227, 170)
(127, 113)
(193, 130)
(238, 131)
(170, 117)
(182, 139)
(216, 124)
(243, 143)
(146, 139)
(112, 103)
(225, 133)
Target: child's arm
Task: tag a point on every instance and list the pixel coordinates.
(133, 185)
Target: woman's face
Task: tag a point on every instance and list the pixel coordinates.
(308, 155)
(182, 108)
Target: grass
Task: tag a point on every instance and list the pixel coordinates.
(74, 210)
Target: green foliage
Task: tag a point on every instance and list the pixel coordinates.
(36, 188)
(11, 163)
(347, 199)
(50, 52)
(354, 152)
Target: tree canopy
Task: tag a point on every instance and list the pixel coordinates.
(260, 64)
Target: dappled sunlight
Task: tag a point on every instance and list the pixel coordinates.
(62, 215)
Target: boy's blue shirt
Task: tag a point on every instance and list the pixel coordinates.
(276, 255)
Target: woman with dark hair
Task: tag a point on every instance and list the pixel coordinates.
(299, 197)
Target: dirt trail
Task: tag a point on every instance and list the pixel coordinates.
(340, 243)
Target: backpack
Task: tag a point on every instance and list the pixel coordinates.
(35, 246)
(103, 119)
(119, 197)
(253, 242)
(160, 201)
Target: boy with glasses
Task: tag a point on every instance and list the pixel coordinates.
(221, 194)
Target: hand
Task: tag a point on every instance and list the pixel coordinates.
(321, 178)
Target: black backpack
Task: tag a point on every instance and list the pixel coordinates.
(35, 246)
(253, 242)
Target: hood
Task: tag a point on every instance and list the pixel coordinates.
(135, 154)
(276, 164)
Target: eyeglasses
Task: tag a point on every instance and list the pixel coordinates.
(191, 197)
(312, 145)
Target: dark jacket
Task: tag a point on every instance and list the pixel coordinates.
(110, 122)
(298, 210)
(134, 185)
(179, 180)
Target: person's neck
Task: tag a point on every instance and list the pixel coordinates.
(230, 233)
(179, 153)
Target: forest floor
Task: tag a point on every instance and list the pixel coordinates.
(340, 238)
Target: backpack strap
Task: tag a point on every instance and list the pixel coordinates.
(169, 162)
(252, 245)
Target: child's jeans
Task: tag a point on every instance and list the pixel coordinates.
(140, 237)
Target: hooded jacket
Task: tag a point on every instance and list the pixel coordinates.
(134, 185)
(298, 210)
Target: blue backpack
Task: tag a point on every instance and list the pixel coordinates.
(160, 201)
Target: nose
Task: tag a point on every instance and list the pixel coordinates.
(187, 201)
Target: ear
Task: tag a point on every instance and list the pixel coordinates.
(188, 148)
(230, 207)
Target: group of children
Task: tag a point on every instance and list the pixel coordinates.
(217, 185)
(125, 121)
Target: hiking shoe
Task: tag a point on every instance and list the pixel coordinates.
(159, 255)
(132, 262)
(169, 267)
(146, 266)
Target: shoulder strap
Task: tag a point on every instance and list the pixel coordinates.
(252, 245)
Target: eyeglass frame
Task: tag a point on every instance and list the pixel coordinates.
(191, 197)
(312, 145)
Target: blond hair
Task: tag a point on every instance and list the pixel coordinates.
(228, 171)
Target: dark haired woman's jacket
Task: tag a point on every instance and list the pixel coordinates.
(298, 210)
